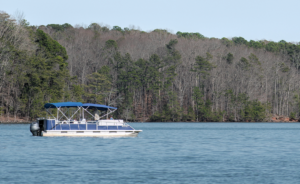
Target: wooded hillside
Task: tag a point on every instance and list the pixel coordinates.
(149, 76)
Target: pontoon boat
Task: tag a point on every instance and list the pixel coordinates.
(70, 121)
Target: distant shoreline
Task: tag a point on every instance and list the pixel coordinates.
(163, 122)
(215, 122)
(15, 122)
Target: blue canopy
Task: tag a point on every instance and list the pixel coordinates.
(98, 106)
(63, 104)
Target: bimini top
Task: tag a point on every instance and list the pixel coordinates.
(98, 106)
(63, 104)
(78, 104)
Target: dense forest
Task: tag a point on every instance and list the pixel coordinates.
(149, 76)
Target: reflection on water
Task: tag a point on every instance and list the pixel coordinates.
(162, 153)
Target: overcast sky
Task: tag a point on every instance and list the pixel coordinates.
(252, 19)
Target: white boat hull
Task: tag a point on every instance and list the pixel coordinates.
(91, 133)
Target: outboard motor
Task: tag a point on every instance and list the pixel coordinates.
(35, 129)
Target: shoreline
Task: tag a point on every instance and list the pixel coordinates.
(14, 122)
(273, 119)
(167, 122)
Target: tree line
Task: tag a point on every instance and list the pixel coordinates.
(149, 76)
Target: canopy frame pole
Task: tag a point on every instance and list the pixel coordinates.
(83, 116)
(75, 112)
(89, 112)
(50, 113)
(62, 113)
(66, 112)
(82, 113)
(108, 113)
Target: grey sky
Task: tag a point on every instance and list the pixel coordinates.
(256, 19)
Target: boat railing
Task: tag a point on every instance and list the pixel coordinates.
(98, 123)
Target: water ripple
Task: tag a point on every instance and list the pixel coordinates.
(163, 153)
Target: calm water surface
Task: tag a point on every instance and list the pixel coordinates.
(162, 153)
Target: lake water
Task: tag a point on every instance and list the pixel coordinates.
(162, 153)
